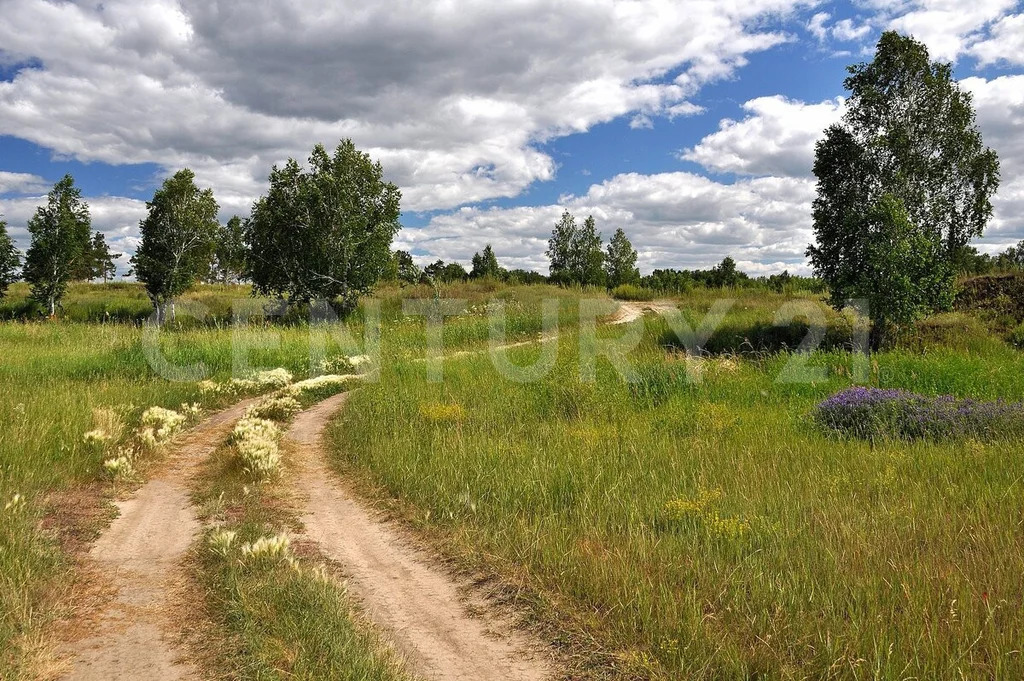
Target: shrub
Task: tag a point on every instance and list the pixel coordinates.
(632, 292)
(256, 441)
(159, 425)
(274, 408)
(872, 413)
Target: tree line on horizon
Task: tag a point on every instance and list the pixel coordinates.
(319, 233)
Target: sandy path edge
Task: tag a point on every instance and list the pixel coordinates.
(630, 311)
(415, 602)
(139, 557)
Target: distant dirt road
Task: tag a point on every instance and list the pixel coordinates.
(130, 636)
(630, 311)
(416, 603)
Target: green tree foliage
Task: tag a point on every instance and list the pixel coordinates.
(725, 273)
(96, 261)
(560, 249)
(907, 276)
(517, 277)
(1010, 259)
(103, 260)
(230, 253)
(575, 252)
(9, 260)
(969, 261)
(485, 264)
(447, 272)
(588, 258)
(405, 269)
(324, 233)
(178, 239)
(908, 147)
(620, 262)
(60, 232)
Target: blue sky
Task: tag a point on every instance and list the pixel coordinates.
(690, 124)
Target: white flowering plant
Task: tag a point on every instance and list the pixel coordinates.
(343, 364)
(96, 437)
(280, 407)
(159, 425)
(220, 541)
(256, 441)
(270, 548)
(119, 466)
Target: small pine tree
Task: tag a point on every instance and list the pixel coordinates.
(96, 261)
(485, 264)
(405, 269)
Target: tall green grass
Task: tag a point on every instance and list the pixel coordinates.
(281, 618)
(55, 374)
(826, 559)
(707, 530)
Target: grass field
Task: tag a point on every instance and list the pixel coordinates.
(664, 527)
(57, 374)
(708, 530)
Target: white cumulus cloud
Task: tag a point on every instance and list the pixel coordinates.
(777, 138)
(453, 98)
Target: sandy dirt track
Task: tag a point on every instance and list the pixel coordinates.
(415, 602)
(130, 636)
(630, 311)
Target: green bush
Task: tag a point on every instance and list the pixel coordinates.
(1017, 336)
(632, 292)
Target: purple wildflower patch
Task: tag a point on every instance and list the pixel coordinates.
(878, 413)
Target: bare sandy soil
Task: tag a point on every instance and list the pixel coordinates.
(630, 311)
(416, 603)
(130, 635)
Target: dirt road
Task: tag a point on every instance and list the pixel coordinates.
(417, 603)
(129, 636)
(630, 311)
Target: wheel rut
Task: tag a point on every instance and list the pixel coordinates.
(417, 603)
(138, 560)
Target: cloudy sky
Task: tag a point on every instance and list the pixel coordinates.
(689, 123)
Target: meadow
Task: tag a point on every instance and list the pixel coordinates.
(100, 356)
(695, 523)
(692, 522)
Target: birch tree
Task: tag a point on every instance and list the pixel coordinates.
(60, 233)
(178, 238)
